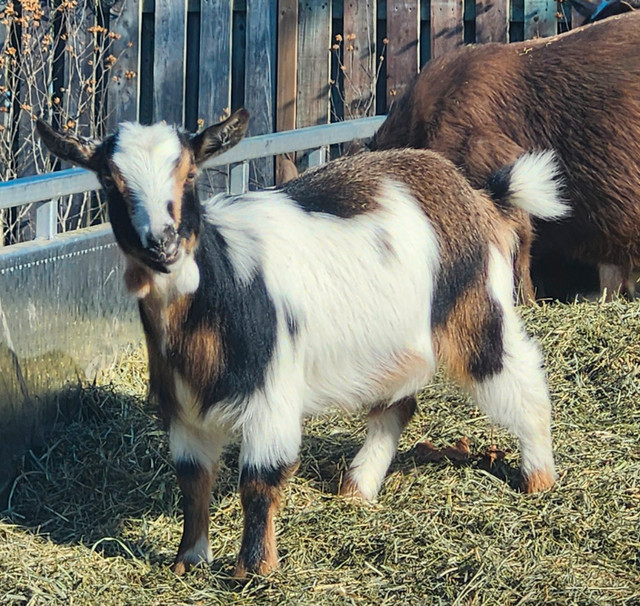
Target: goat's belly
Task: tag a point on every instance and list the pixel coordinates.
(354, 382)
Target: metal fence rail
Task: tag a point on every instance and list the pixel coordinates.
(76, 180)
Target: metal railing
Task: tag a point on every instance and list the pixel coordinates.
(49, 187)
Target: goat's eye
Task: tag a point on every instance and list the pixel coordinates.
(191, 176)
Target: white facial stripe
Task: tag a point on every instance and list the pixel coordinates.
(146, 157)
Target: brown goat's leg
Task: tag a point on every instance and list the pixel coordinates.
(522, 265)
(369, 467)
(195, 483)
(260, 497)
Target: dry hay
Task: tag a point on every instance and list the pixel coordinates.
(95, 519)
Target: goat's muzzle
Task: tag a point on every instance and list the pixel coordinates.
(162, 250)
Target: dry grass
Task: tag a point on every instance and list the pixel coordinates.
(95, 519)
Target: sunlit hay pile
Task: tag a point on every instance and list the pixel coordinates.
(95, 519)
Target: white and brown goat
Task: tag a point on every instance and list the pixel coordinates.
(578, 94)
(347, 286)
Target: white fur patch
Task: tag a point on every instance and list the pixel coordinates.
(359, 310)
(189, 438)
(146, 157)
(535, 185)
(200, 553)
(369, 467)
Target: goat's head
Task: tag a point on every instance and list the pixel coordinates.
(148, 174)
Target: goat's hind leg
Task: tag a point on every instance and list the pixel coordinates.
(509, 383)
(369, 467)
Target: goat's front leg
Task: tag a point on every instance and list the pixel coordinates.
(265, 468)
(196, 457)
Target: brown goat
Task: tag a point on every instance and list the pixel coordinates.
(577, 93)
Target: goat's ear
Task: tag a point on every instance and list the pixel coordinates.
(77, 150)
(220, 137)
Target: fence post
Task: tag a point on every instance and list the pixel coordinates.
(239, 178)
(318, 156)
(47, 219)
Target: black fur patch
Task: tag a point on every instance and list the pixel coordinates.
(270, 476)
(244, 314)
(188, 469)
(293, 325)
(452, 281)
(498, 186)
(342, 196)
(488, 359)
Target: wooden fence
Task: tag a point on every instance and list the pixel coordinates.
(292, 63)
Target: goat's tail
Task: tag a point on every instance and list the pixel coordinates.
(533, 183)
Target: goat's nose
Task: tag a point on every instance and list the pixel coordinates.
(165, 243)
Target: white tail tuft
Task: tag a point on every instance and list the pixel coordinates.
(535, 183)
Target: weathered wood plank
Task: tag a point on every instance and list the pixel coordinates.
(259, 91)
(492, 20)
(214, 87)
(168, 66)
(360, 60)
(287, 76)
(539, 18)
(287, 64)
(403, 20)
(214, 94)
(123, 91)
(314, 43)
(447, 27)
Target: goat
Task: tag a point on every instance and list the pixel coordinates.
(345, 287)
(576, 93)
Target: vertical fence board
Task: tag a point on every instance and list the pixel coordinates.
(539, 18)
(35, 66)
(287, 72)
(169, 46)
(314, 42)
(492, 20)
(403, 21)
(214, 94)
(259, 91)
(124, 79)
(360, 59)
(214, 88)
(287, 64)
(447, 27)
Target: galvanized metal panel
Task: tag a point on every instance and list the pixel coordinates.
(64, 315)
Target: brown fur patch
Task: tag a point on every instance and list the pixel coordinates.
(538, 481)
(260, 503)
(404, 410)
(137, 281)
(350, 489)
(180, 175)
